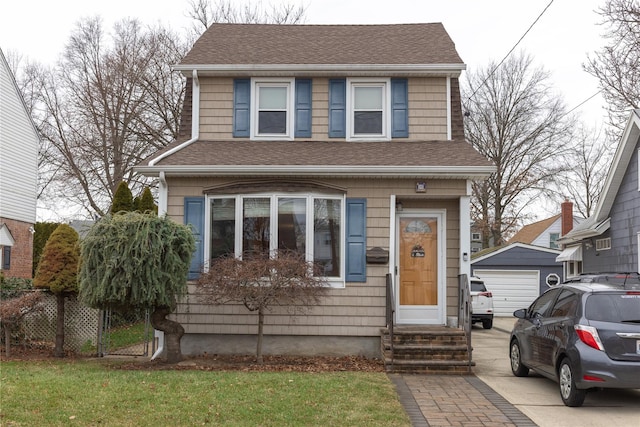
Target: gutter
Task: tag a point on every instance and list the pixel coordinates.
(466, 172)
(195, 121)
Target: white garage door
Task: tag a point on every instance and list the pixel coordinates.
(511, 289)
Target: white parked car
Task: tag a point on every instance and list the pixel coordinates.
(481, 303)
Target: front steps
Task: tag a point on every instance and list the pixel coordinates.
(426, 350)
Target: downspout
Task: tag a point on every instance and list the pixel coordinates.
(195, 121)
(163, 195)
(449, 131)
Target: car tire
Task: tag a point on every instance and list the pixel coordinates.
(487, 323)
(570, 394)
(515, 356)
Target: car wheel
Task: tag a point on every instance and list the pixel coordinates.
(518, 369)
(487, 324)
(571, 396)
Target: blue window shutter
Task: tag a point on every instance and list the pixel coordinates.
(356, 247)
(303, 108)
(337, 108)
(241, 105)
(6, 257)
(194, 215)
(399, 108)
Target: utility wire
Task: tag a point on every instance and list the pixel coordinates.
(582, 103)
(511, 51)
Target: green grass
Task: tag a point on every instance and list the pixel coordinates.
(125, 336)
(121, 337)
(91, 393)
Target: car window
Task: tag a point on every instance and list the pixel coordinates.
(613, 307)
(478, 287)
(565, 305)
(541, 306)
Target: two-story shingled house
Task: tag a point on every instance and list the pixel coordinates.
(344, 142)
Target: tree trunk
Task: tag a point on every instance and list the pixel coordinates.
(173, 332)
(260, 328)
(59, 349)
(7, 339)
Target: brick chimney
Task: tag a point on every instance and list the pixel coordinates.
(567, 216)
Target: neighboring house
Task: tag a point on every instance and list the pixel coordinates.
(546, 232)
(476, 239)
(516, 274)
(18, 178)
(609, 239)
(343, 142)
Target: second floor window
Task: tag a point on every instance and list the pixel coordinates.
(273, 113)
(368, 108)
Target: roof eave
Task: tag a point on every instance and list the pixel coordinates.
(450, 70)
(441, 172)
(577, 235)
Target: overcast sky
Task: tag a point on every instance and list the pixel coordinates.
(482, 30)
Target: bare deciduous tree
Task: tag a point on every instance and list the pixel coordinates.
(106, 105)
(207, 12)
(583, 181)
(514, 118)
(617, 65)
(261, 283)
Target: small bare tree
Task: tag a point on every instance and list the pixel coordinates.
(260, 283)
(582, 183)
(14, 310)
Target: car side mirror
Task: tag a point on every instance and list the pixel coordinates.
(520, 314)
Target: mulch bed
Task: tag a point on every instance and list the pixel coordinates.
(207, 362)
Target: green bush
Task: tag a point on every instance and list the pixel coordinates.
(12, 287)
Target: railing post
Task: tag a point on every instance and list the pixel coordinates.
(464, 312)
(390, 313)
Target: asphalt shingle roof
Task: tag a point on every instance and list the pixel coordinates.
(338, 153)
(226, 44)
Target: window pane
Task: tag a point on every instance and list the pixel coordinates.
(255, 227)
(326, 235)
(272, 122)
(367, 122)
(223, 227)
(272, 98)
(367, 98)
(292, 225)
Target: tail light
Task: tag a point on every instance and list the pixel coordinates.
(589, 336)
(486, 294)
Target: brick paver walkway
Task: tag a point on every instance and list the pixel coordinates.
(443, 400)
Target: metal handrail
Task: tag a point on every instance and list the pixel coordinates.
(464, 312)
(390, 312)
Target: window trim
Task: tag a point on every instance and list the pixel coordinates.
(385, 83)
(289, 84)
(476, 237)
(603, 244)
(333, 281)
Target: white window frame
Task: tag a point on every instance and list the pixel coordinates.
(573, 268)
(334, 282)
(476, 237)
(289, 84)
(352, 83)
(603, 244)
(552, 242)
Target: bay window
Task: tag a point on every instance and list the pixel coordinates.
(246, 226)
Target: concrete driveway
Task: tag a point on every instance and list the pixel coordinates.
(539, 398)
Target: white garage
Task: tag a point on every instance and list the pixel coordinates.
(511, 289)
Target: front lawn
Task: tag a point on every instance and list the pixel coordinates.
(92, 393)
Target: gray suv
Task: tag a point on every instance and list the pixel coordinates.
(583, 334)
